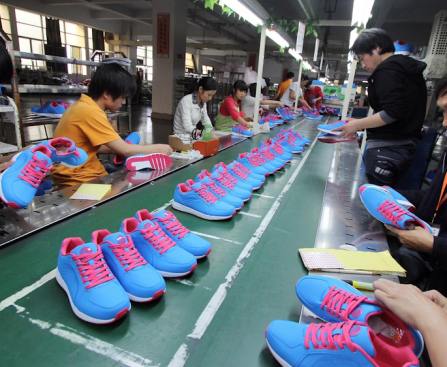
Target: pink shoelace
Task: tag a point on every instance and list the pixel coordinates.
(216, 189)
(171, 223)
(336, 298)
(239, 173)
(96, 273)
(322, 336)
(228, 184)
(277, 148)
(268, 154)
(242, 168)
(208, 196)
(158, 242)
(132, 257)
(229, 177)
(253, 159)
(392, 211)
(30, 173)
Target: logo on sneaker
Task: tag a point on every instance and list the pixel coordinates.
(44, 161)
(357, 312)
(147, 225)
(354, 330)
(86, 250)
(121, 240)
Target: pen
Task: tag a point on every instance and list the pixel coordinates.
(360, 285)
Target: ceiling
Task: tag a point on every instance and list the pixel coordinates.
(407, 20)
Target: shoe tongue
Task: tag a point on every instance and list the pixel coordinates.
(206, 180)
(116, 238)
(148, 224)
(363, 311)
(43, 158)
(85, 249)
(360, 335)
(198, 184)
(160, 214)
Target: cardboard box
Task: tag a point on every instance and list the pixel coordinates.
(207, 148)
(177, 144)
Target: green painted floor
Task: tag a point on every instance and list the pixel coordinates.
(247, 281)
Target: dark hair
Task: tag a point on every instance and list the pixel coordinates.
(253, 89)
(239, 85)
(308, 84)
(304, 77)
(441, 88)
(370, 39)
(290, 75)
(207, 83)
(113, 79)
(5, 65)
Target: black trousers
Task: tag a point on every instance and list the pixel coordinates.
(387, 165)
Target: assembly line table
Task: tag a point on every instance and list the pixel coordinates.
(214, 317)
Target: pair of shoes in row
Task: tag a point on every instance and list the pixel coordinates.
(51, 109)
(312, 115)
(142, 161)
(388, 206)
(219, 194)
(102, 277)
(20, 182)
(358, 332)
(285, 113)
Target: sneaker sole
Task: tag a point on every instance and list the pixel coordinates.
(82, 315)
(281, 361)
(330, 131)
(55, 115)
(157, 294)
(189, 210)
(152, 161)
(334, 140)
(201, 257)
(166, 274)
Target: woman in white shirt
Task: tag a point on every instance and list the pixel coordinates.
(191, 111)
(248, 103)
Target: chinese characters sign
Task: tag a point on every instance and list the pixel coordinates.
(163, 35)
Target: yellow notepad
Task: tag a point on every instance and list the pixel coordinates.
(351, 261)
(91, 192)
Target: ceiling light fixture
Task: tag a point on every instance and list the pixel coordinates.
(276, 37)
(243, 11)
(361, 12)
(295, 54)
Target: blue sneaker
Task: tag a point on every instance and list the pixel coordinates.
(400, 199)
(132, 138)
(170, 225)
(158, 249)
(328, 128)
(226, 184)
(282, 152)
(199, 201)
(347, 344)
(252, 164)
(64, 150)
(296, 135)
(222, 194)
(270, 158)
(239, 129)
(148, 161)
(402, 48)
(44, 188)
(239, 175)
(49, 109)
(286, 143)
(141, 281)
(333, 300)
(19, 183)
(240, 184)
(95, 295)
(239, 166)
(382, 206)
(283, 114)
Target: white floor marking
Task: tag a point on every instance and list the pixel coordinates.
(214, 304)
(186, 282)
(94, 345)
(25, 291)
(162, 207)
(264, 196)
(250, 215)
(216, 238)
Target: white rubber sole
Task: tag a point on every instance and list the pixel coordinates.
(152, 161)
(78, 313)
(189, 210)
(281, 361)
(143, 300)
(55, 115)
(330, 131)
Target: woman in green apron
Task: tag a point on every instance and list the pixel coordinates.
(230, 113)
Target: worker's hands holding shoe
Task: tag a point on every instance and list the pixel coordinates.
(417, 239)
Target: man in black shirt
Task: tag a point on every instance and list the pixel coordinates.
(398, 95)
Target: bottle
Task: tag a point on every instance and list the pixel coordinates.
(206, 133)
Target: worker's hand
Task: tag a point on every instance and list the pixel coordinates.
(282, 105)
(408, 302)
(248, 126)
(163, 148)
(417, 239)
(348, 130)
(437, 298)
